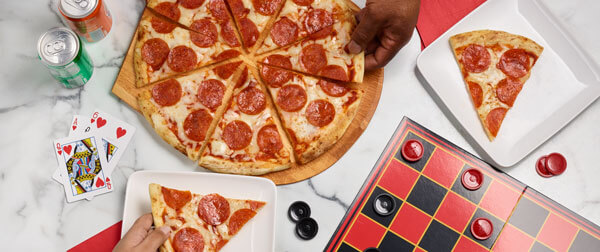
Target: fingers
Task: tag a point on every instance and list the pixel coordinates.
(365, 31)
(138, 231)
(388, 46)
(156, 238)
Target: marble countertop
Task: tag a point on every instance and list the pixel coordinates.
(34, 110)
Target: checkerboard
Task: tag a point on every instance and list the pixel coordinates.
(434, 211)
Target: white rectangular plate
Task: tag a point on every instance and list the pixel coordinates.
(256, 235)
(563, 82)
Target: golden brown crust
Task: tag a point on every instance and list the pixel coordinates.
(243, 168)
(158, 207)
(140, 66)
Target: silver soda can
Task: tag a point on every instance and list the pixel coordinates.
(62, 53)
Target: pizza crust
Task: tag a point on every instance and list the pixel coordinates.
(158, 207)
(243, 168)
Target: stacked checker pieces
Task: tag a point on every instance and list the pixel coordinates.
(216, 46)
(435, 211)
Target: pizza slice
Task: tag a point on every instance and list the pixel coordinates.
(325, 57)
(314, 112)
(164, 49)
(199, 222)
(183, 110)
(299, 19)
(495, 66)
(247, 139)
(252, 17)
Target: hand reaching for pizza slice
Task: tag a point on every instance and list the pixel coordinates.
(384, 27)
(141, 237)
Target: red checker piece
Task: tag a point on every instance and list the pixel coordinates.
(556, 163)
(472, 179)
(413, 150)
(482, 228)
(540, 167)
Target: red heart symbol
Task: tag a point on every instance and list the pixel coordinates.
(101, 122)
(74, 127)
(67, 149)
(59, 152)
(99, 182)
(107, 179)
(92, 120)
(121, 132)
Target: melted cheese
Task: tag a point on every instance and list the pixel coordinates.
(488, 81)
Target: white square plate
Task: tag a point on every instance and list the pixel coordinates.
(563, 82)
(257, 235)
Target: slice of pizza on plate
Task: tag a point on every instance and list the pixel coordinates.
(495, 65)
(248, 138)
(199, 222)
(184, 110)
(252, 18)
(314, 112)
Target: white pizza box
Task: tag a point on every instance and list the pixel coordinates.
(563, 82)
(257, 235)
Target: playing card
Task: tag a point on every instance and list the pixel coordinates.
(82, 167)
(115, 134)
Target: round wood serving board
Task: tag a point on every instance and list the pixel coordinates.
(125, 89)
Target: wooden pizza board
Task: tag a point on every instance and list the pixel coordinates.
(125, 89)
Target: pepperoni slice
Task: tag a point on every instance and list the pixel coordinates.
(181, 59)
(291, 98)
(249, 32)
(174, 198)
(475, 58)
(190, 4)
(237, 135)
(494, 120)
(243, 78)
(251, 101)
(514, 63)
(278, 60)
(313, 58)
(228, 34)
(276, 77)
(206, 33)
(303, 2)
(266, 7)
(227, 54)
(196, 124)
(161, 26)
(188, 240)
(225, 71)
(169, 10)
(317, 19)
(154, 52)
(476, 93)
(210, 93)
(332, 88)
(334, 72)
(237, 8)
(508, 89)
(238, 219)
(167, 93)
(219, 10)
(323, 33)
(320, 113)
(213, 209)
(284, 32)
(268, 139)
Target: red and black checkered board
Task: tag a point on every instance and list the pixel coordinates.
(434, 211)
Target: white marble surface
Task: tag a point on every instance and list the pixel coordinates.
(34, 110)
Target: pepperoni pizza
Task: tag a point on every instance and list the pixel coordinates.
(252, 18)
(495, 66)
(199, 222)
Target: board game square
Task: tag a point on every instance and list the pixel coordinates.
(500, 200)
(473, 196)
(427, 195)
(398, 179)
(428, 149)
(364, 233)
(583, 242)
(438, 237)
(410, 223)
(392, 242)
(512, 239)
(497, 223)
(344, 247)
(443, 167)
(528, 216)
(466, 245)
(369, 211)
(455, 211)
(557, 233)
(538, 247)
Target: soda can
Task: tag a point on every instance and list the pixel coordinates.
(62, 53)
(88, 18)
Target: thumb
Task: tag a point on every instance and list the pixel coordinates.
(156, 238)
(365, 31)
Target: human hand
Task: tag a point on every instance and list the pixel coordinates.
(384, 27)
(141, 237)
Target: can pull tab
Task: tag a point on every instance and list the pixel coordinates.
(55, 47)
(79, 4)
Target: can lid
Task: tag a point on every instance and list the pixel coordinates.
(58, 46)
(77, 8)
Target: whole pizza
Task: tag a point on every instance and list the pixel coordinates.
(248, 86)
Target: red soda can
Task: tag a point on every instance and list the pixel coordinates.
(88, 18)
